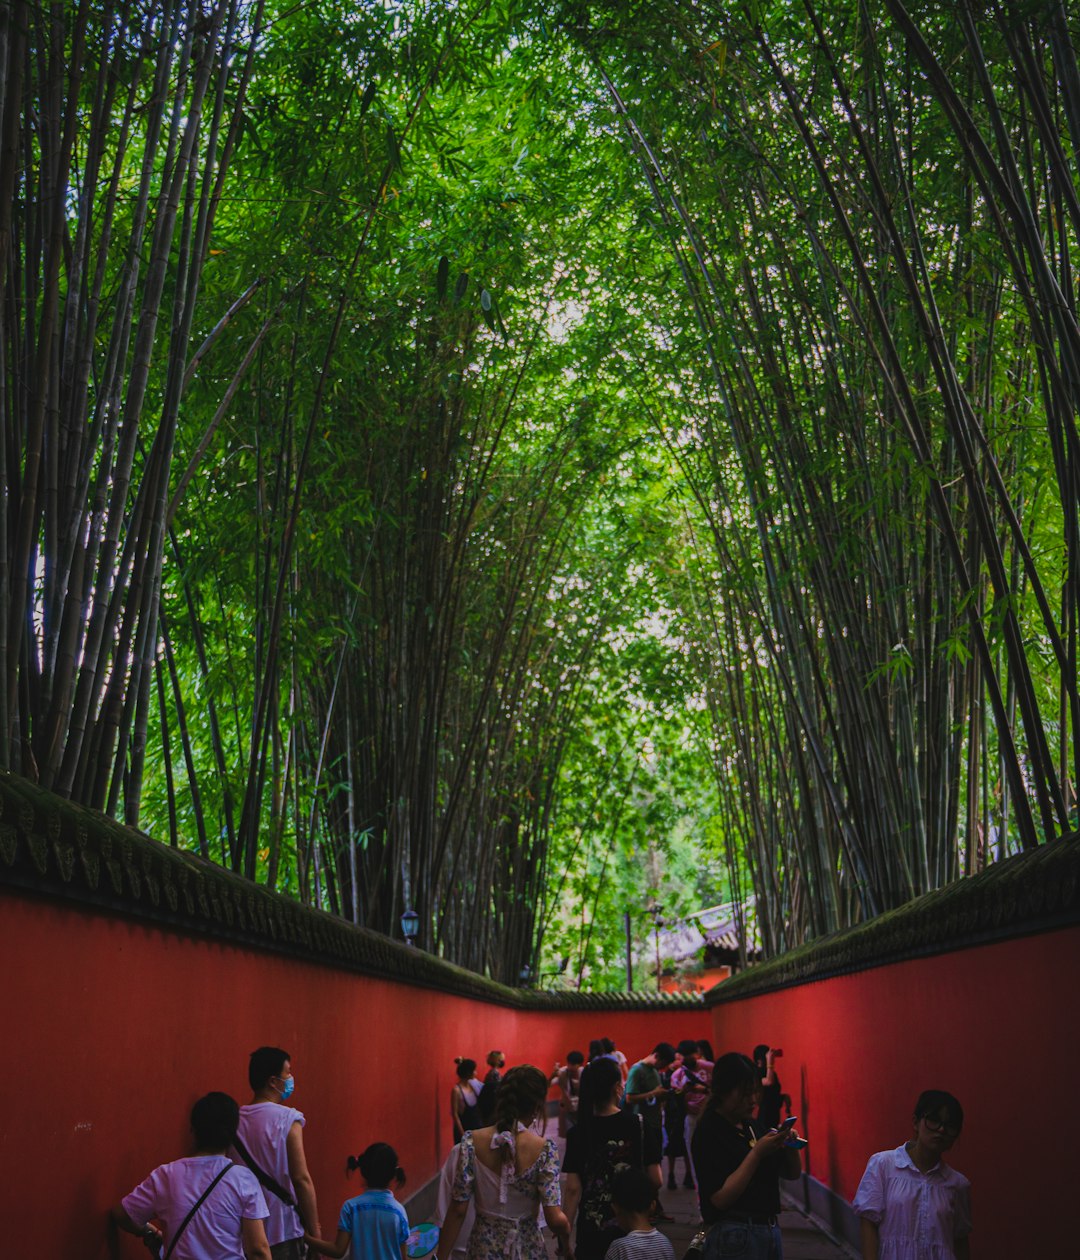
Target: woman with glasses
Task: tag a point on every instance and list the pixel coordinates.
(912, 1205)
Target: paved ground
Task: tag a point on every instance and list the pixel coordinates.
(803, 1240)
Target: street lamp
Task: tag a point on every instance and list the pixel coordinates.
(410, 926)
(658, 923)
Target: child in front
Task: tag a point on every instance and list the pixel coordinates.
(373, 1225)
(632, 1197)
(912, 1205)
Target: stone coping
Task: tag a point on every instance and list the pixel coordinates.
(53, 847)
(1035, 891)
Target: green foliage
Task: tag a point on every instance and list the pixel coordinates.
(606, 456)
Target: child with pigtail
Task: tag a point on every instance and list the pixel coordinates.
(373, 1225)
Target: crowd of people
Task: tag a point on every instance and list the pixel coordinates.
(245, 1192)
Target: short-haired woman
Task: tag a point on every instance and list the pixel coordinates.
(208, 1207)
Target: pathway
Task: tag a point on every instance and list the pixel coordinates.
(803, 1240)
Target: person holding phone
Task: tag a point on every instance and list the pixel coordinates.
(769, 1108)
(690, 1081)
(645, 1094)
(739, 1164)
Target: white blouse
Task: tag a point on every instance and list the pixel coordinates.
(919, 1215)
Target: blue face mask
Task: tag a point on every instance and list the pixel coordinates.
(287, 1088)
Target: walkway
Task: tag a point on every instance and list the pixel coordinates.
(803, 1240)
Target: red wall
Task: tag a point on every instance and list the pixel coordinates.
(114, 1028)
(998, 1026)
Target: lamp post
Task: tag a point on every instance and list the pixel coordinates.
(658, 923)
(410, 926)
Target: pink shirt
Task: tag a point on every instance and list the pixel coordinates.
(215, 1231)
(695, 1099)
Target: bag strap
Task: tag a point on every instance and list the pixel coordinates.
(198, 1204)
(267, 1182)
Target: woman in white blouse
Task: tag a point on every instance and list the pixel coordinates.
(912, 1205)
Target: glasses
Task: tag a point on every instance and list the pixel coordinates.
(940, 1126)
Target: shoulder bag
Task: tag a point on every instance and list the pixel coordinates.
(198, 1204)
(268, 1183)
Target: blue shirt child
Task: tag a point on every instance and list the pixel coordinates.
(376, 1224)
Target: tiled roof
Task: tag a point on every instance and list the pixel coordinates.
(1035, 891)
(52, 847)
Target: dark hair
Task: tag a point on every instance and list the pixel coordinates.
(664, 1051)
(599, 1081)
(731, 1071)
(608, 1044)
(632, 1190)
(688, 1050)
(706, 1050)
(466, 1068)
(264, 1063)
(932, 1102)
(520, 1095)
(378, 1166)
(596, 1049)
(214, 1120)
(575, 1057)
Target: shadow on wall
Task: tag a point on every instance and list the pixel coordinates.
(806, 1129)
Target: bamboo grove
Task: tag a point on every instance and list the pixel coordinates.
(453, 451)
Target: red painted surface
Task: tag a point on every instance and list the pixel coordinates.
(998, 1026)
(114, 1028)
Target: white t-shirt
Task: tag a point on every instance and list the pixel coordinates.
(214, 1232)
(264, 1130)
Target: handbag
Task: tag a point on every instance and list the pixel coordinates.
(696, 1250)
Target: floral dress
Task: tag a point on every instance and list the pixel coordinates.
(597, 1151)
(507, 1204)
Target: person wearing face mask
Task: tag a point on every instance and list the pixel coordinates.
(270, 1141)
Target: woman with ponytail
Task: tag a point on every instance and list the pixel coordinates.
(604, 1141)
(509, 1172)
(465, 1098)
